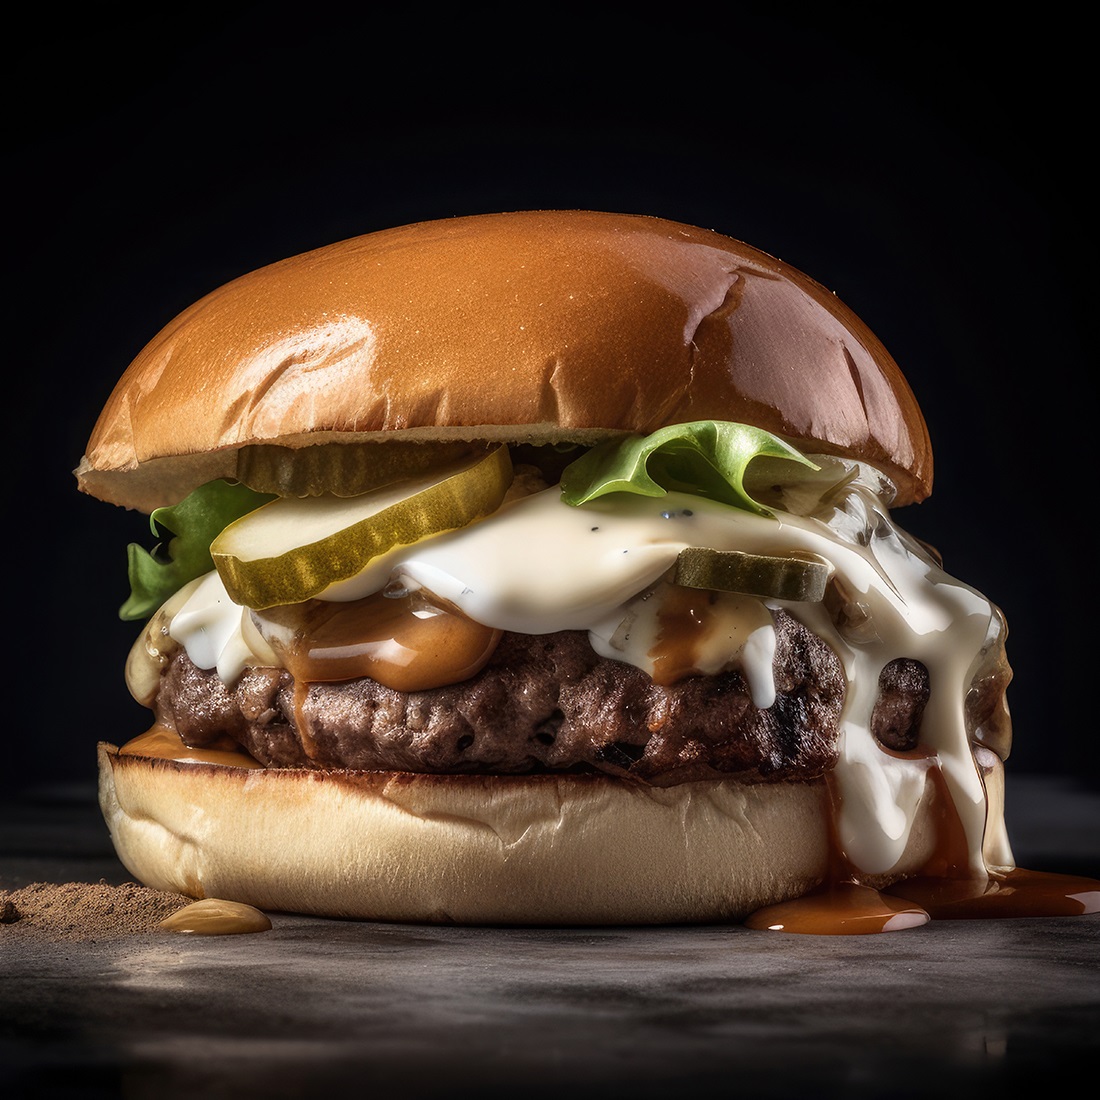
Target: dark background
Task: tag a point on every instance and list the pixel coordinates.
(930, 172)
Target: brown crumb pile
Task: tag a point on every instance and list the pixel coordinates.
(85, 911)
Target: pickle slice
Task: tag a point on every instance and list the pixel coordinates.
(292, 549)
(344, 469)
(779, 577)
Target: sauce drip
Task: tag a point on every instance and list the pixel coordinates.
(840, 909)
(215, 917)
(847, 908)
(682, 628)
(408, 642)
(946, 890)
(698, 632)
(1015, 893)
(162, 743)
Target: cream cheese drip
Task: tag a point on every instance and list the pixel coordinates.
(538, 565)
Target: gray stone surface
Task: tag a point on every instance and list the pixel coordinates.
(326, 1008)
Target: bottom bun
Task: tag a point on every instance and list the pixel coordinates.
(543, 849)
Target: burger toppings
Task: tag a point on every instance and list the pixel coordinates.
(769, 575)
(157, 574)
(345, 469)
(404, 645)
(708, 458)
(293, 549)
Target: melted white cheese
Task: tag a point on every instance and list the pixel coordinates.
(538, 566)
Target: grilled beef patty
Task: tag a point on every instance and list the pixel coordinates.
(548, 703)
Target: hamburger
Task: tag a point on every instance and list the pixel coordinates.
(540, 568)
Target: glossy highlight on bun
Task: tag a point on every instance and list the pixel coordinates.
(536, 326)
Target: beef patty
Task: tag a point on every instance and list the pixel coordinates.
(548, 703)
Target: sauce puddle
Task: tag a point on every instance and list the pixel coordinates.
(215, 917)
(1015, 893)
(847, 908)
(946, 890)
(839, 909)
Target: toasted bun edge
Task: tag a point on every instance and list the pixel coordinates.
(551, 850)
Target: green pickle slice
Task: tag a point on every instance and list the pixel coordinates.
(344, 469)
(293, 549)
(780, 577)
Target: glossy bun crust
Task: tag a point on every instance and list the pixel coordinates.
(537, 326)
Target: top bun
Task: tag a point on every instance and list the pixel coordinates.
(542, 326)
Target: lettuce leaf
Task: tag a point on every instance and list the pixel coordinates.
(708, 458)
(195, 522)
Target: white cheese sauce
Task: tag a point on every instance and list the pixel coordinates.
(538, 566)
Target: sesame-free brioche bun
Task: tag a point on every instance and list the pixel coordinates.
(475, 849)
(541, 326)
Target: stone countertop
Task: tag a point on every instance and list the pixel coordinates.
(323, 1007)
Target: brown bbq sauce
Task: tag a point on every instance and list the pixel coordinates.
(409, 643)
(946, 890)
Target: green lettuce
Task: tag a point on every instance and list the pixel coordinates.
(195, 522)
(708, 458)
